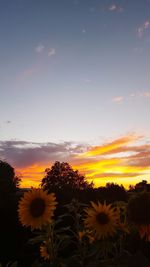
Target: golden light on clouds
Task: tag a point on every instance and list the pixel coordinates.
(118, 161)
(32, 175)
(125, 160)
(99, 150)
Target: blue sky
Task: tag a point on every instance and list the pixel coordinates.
(74, 70)
(63, 64)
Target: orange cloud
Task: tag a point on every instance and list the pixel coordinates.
(108, 148)
(118, 99)
(125, 160)
(118, 161)
(103, 164)
(31, 175)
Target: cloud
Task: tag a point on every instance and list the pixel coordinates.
(27, 73)
(125, 159)
(117, 159)
(87, 80)
(8, 122)
(30, 159)
(83, 30)
(109, 147)
(118, 99)
(134, 95)
(141, 29)
(144, 94)
(23, 154)
(40, 48)
(51, 52)
(115, 8)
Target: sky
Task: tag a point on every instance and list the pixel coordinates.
(75, 87)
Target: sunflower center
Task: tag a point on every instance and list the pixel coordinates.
(102, 218)
(37, 207)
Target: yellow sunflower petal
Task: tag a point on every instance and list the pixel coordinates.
(44, 253)
(36, 208)
(102, 219)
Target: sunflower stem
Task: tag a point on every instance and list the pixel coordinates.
(51, 244)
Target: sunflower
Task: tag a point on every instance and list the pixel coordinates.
(44, 253)
(36, 208)
(102, 219)
(86, 234)
(144, 231)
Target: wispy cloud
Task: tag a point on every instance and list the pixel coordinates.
(8, 122)
(51, 52)
(84, 30)
(117, 161)
(146, 94)
(118, 99)
(112, 146)
(27, 73)
(142, 94)
(134, 95)
(125, 159)
(115, 8)
(40, 48)
(142, 28)
(86, 80)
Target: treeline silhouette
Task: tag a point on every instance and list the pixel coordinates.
(67, 184)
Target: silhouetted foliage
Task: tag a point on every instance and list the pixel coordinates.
(115, 192)
(138, 208)
(62, 176)
(140, 187)
(9, 182)
(13, 237)
(109, 193)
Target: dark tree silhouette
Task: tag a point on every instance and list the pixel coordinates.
(9, 228)
(140, 187)
(115, 192)
(9, 182)
(62, 176)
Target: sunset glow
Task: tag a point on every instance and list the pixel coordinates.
(121, 161)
